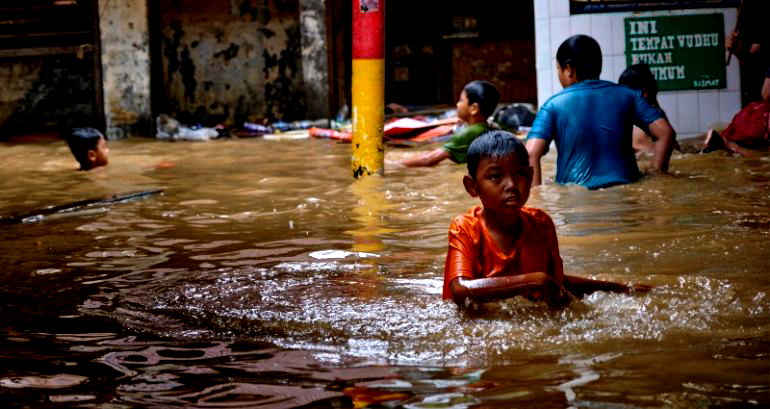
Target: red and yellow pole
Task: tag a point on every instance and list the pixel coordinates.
(368, 87)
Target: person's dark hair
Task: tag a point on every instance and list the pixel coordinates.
(495, 143)
(583, 54)
(639, 76)
(80, 141)
(483, 93)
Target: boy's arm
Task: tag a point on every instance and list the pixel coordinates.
(580, 286)
(531, 285)
(664, 136)
(536, 148)
(653, 121)
(539, 138)
(427, 159)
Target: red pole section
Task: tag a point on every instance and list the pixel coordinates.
(368, 29)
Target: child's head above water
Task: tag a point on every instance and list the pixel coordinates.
(639, 76)
(89, 147)
(482, 93)
(499, 172)
(583, 55)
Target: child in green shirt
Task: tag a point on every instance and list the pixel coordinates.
(477, 102)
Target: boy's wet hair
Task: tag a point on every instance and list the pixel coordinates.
(80, 141)
(639, 76)
(583, 54)
(495, 143)
(483, 93)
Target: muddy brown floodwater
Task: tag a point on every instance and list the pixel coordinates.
(265, 277)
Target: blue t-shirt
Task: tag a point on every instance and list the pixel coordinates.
(592, 122)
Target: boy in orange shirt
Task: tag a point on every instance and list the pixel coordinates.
(503, 249)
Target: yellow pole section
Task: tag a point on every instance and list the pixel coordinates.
(368, 116)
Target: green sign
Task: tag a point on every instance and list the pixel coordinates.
(609, 6)
(683, 52)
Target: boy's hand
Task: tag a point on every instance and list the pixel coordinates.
(556, 296)
(639, 288)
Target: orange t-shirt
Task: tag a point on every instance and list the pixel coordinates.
(472, 252)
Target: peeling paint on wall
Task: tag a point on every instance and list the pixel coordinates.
(20, 77)
(47, 66)
(281, 69)
(187, 70)
(228, 54)
(315, 54)
(125, 67)
(229, 60)
(42, 93)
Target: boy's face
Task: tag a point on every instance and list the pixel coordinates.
(464, 109)
(99, 156)
(567, 75)
(502, 184)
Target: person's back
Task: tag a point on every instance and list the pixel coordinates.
(592, 122)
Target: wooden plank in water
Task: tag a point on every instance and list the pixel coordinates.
(40, 214)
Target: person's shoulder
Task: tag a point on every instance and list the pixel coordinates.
(604, 86)
(474, 129)
(468, 223)
(469, 219)
(623, 89)
(579, 89)
(538, 224)
(618, 93)
(619, 90)
(553, 99)
(479, 125)
(537, 216)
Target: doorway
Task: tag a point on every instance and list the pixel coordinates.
(49, 56)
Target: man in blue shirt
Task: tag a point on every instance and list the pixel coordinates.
(592, 122)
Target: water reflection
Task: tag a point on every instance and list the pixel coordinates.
(370, 211)
(280, 283)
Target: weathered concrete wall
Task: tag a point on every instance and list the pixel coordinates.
(44, 93)
(17, 79)
(315, 55)
(47, 66)
(125, 45)
(231, 60)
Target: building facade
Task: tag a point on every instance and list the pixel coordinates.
(117, 65)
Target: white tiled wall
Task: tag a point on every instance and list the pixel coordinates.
(690, 112)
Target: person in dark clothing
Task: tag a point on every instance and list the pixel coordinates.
(750, 43)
